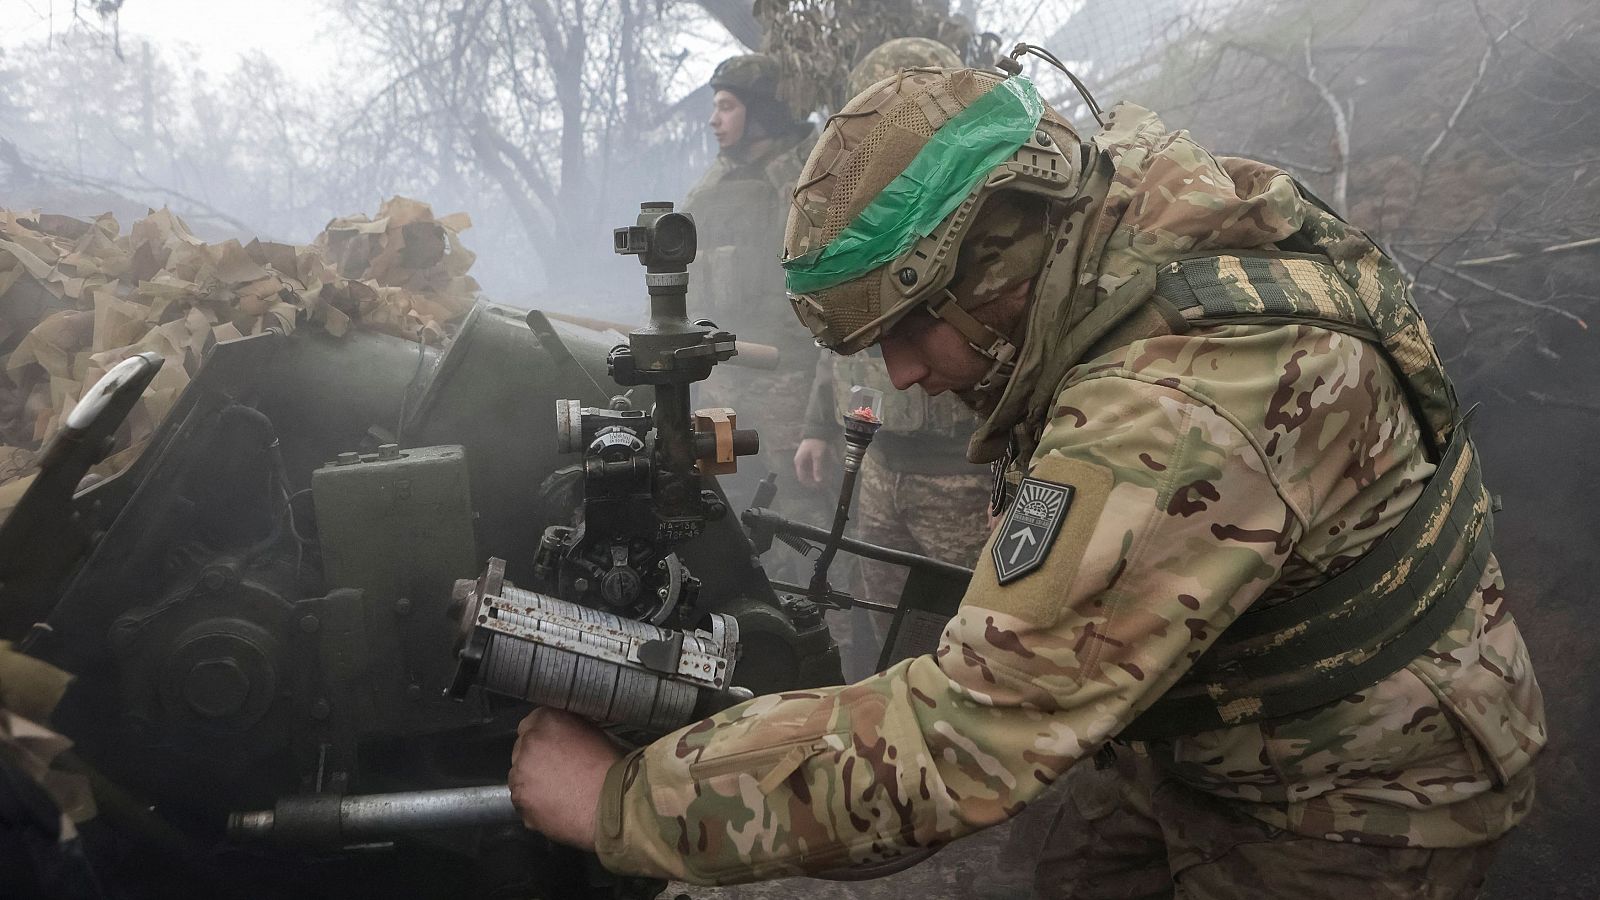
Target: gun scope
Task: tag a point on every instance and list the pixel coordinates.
(663, 240)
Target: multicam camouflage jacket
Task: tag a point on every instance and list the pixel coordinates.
(1215, 470)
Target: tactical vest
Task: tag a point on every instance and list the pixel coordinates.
(1370, 620)
(733, 273)
(739, 211)
(909, 412)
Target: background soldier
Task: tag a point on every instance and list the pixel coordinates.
(739, 208)
(1249, 544)
(917, 491)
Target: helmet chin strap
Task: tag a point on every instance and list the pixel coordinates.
(994, 346)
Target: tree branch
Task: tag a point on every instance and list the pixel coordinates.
(122, 187)
(22, 171)
(1341, 122)
(1563, 403)
(736, 16)
(488, 146)
(1472, 89)
(1508, 257)
(1498, 292)
(1341, 133)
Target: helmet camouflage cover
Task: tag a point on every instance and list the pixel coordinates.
(755, 79)
(890, 57)
(891, 190)
(753, 76)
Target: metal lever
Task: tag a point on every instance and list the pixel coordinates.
(40, 539)
(861, 422)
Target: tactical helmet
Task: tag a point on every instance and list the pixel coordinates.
(891, 56)
(753, 78)
(892, 188)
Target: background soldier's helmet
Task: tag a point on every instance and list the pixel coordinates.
(753, 78)
(890, 57)
(892, 188)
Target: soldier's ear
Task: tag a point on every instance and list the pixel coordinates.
(754, 127)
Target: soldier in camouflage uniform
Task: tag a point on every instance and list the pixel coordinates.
(739, 207)
(1248, 550)
(916, 490)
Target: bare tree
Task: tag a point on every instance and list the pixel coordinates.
(547, 103)
(816, 42)
(240, 153)
(1448, 156)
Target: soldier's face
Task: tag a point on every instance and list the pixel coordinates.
(929, 352)
(727, 119)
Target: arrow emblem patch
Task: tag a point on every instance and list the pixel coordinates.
(1030, 527)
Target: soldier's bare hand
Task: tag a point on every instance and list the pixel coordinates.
(811, 461)
(558, 769)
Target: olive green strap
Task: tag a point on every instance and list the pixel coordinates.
(1373, 618)
(1354, 630)
(1267, 286)
(1376, 573)
(1274, 287)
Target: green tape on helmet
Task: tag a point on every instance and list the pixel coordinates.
(912, 205)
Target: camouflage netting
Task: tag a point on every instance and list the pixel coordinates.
(78, 297)
(817, 42)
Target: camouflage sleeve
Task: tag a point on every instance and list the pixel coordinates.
(820, 422)
(1174, 526)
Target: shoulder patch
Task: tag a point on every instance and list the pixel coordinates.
(1030, 527)
(1060, 535)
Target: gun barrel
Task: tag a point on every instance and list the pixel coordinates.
(342, 819)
